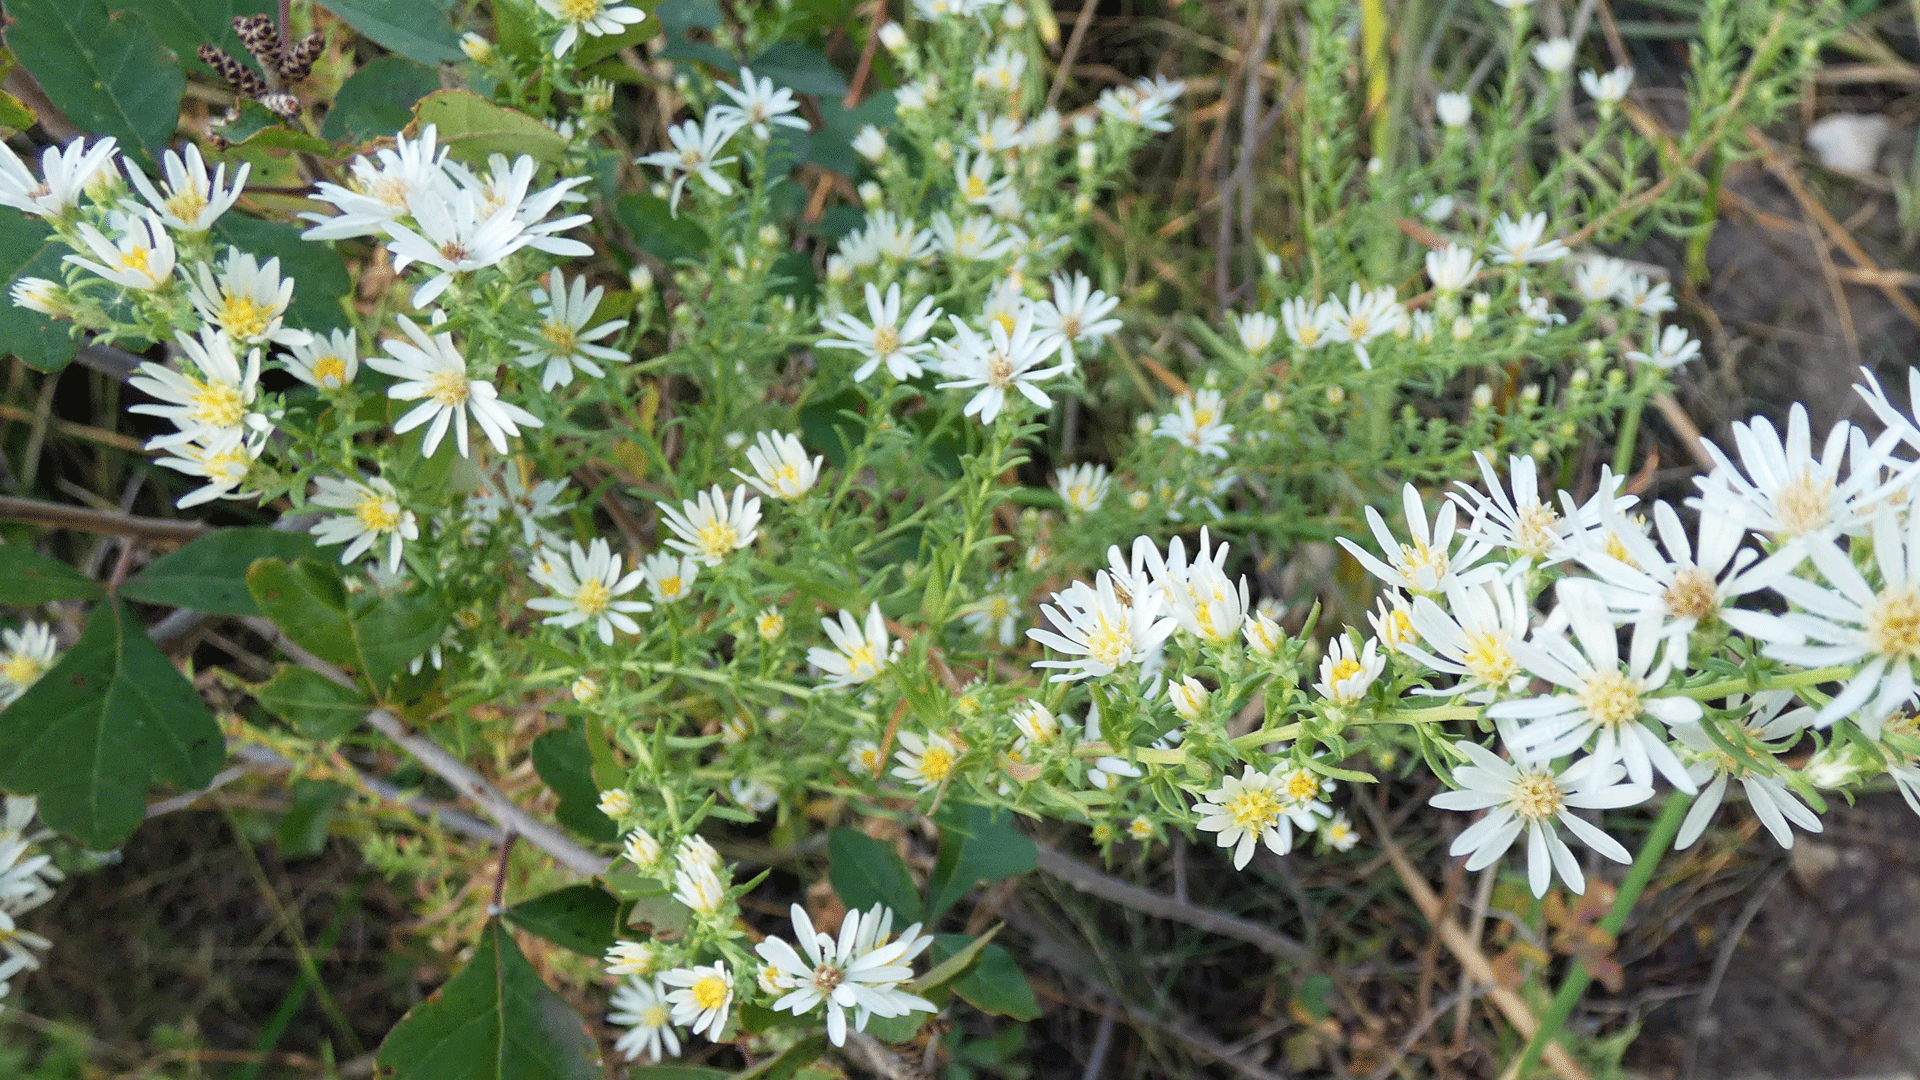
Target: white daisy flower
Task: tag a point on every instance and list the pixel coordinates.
(697, 885)
(696, 152)
(885, 338)
(1452, 268)
(870, 143)
(596, 18)
(1519, 241)
(1257, 331)
(996, 614)
(758, 106)
(1520, 520)
(925, 763)
(213, 392)
(1306, 322)
(1771, 800)
(325, 361)
(1200, 596)
(781, 467)
(1530, 797)
(1189, 697)
(999, 362)
(1426, 566)
(670, 577)
(374, 512)
(247, 300)
(1607, 89)
(1195, 423)
(28, 653)
(223, 457)
(1598, 701)
(1674, 347)
(975, 238)
(641, 1007)
(973, 180)
(860, 652)
(1554, 55)
(1599, 278)
(863, 758)
(565, 343)
(1078, 312)
(65, 173)
(1473, 636)
(378, 188)
(859, 971)
(192, 200)
(1083, 487)
(1247, 810)
(1646, 296)
(1101, 631)
(1453, 109)
(641, 848)
(1783, 490)
(1346, 672)
(429, 367)
(1392, 621)
(709, 528)
(1365, 316)
(1262, 634)
(19, 946)
(142, 257)
(585, 588)
(457, 233)
(704, 1000)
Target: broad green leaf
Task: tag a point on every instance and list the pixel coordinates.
(994, 984)
(210, 574)
(320, 281)
(28, 578)
(376, 635)
(976, 844)
(578, 917)
(657, 231)
(865, 871)
(15, 113)
(277, 137)
(800, 69)
(110, 72)
(954, 966)
(566, 765)
(92, 735)
(416, 29)
(302, 831)
(896, 1029)
(495, 1020)
(379, 99)
(393, 631)
(26, 250)
(471, 127)
(184, 24)
(315, 705)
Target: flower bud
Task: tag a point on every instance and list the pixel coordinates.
(478, 49)
(894, 37)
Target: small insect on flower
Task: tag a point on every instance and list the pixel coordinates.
(374, 511)
(859, 652)
(586, 589)
(704, 999)
(1101, 632)
(780, 465)
(709, 528)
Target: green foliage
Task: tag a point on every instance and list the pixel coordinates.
(565, 764)
(26, 250)
(110, 73)
(378, 99)
(375, 635)
(316, 706)
(494, 1020)
(420, 30)
(995, 984)
(210, 574)
(977, 845)
(109, 718)
(28, 578)
(578, 917)
(302, 831)
(324, 285)
(185, 24)
(471, 128)
(866, 872)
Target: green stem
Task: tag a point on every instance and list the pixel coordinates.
(1792, 681)
(1629, 434)
(1651, 850)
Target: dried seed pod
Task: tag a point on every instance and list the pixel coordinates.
(238, 75)
(258, 34)
(298, 62)
(283, 105)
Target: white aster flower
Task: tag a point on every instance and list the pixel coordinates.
(1771, 800)
(27, 654)
(1262, 634)
(696, 152)
(1646, 296)
(1452, 268)
(1247, 810)
(860, 651)
(1365, 316)
(456, 232)
(758, 106)
(430, 367)
(885, 338)
(1257, 331)
(1529, 797)
(1339, 833)
(374, 512)
(1200, 596)
(670, 577)
(1519, 241)
(1554, 55)
(1453, 109)
(1346, 672)
(1520, 520)
(1195, 423)
(1783, 490)
(1306, 322)
(213, 392)
(997, 614)
(192, 200)
(1473, 636)
(1083, 487)
(1078, 313)
(859, 972)
(223, 457)
(697, 884)
(1103, 633)
(709, 528)
(585, 588)
(1599, 278)
(19, 947)
(974, 238)
(142, 257)
(378, 188)
(565, 343)
(66, 171)
(780, 465)
(870, 143)
(1429, 563)
(704, 1000)
(247, 300)
(1189, 697)
(1599, 701)
(1674, 347)
(1003, 360)
(925, 763)
(642, 849)
(325, 361)
(1607, 89)
(596, 18)
(641, 1007)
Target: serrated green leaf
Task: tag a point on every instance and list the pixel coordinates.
(865, 871)
(210, 574)
(578, 917)
(315, 705)
(91, 736)
(109, 71)
(471, 127)
(28, 578)
(566, 765)
(419, 30)
(320, 280)
(379, 99)
(495, 1020)
(995, 984)
(976, 844)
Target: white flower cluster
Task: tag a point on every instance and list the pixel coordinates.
(27, 877)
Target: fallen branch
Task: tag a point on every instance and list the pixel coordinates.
(1088, 880)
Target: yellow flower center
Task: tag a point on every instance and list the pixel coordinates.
(378, 514)
(135, 259)
(389, 191)
(936, 763)
(1252, 809)
(217, 404)
(1893, 623)
(1611, 698)
(449, 389)
(593, 597)
(711, 992)
(22, 670)
(1107, 643)
(1691, 596)
(717, 538)
(885, 340)
(999, 370)
(1801, 504)
(1070, 326)
(1344, 668)
(976, 188)
(1536, 796)
(186, 205)
(670, 587)
(330, 372)
(1417, 561)
(1486, 658)
(654, 1016)
(1536, 530)
(560, 336)
(860, 658)
(244, 318)
(1302, 785)
(1617, 549)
